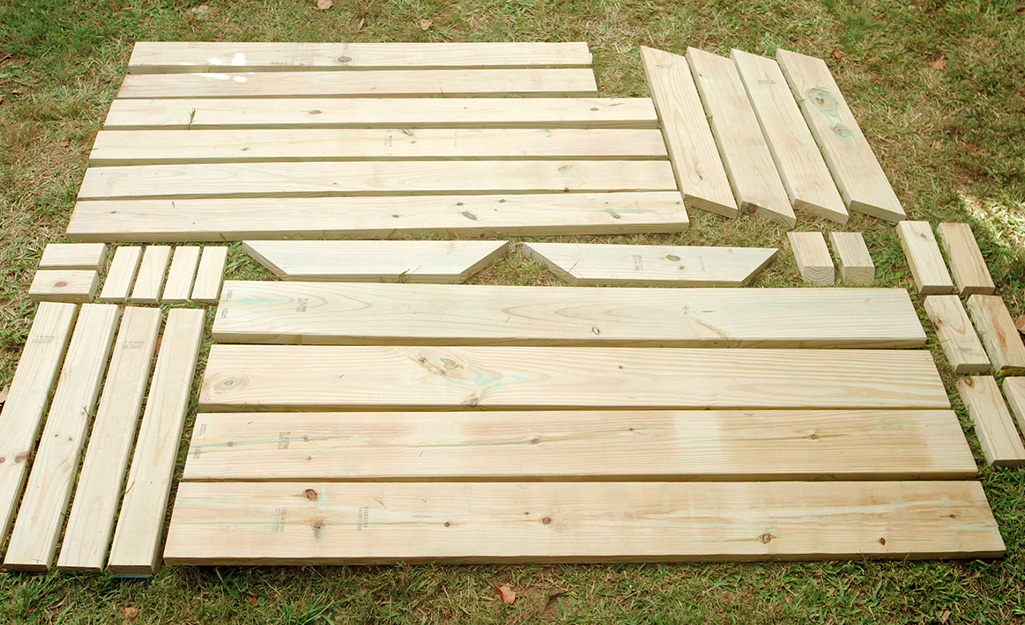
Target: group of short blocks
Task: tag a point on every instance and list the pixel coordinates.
(816, 265)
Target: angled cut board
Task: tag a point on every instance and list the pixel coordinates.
(118, 283)
(999, 336)
(430, 314)
(64, 285)
(74, 256)
(798, 160)
(745, 154)
(180, 275)
(856, 266)
(375, 261)
(857, 173)
(318, 377)
(580, 445)
(924, 258)
(207, 288)
(1000, 442)
(966, 262)
(956, 334)
(150, 281)
(325, 523)
(812, 256)
(654, 265)
(696, 162)
(1014, 390)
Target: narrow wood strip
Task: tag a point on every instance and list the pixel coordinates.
(812, 256)
(924, 258)
(140, 523)
(64, 285)
(956, 334)
(1014, 390)
(118, 283)
(1000, 337)
(150, 281)
(181, 275)
(74, 256)
(856, 266)
(1000, 442)
(966, 262)
(210, 274)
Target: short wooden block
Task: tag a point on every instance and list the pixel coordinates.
(924, 258)
(181, 275)
(150, 281)
(956, 335)
(812, 256)
(1014, 390)
(210, 275)
(74, 256)
(118, 283)
(966, 262)
(64, 285)
(1000, 442)
(996, 328)
(856, 266)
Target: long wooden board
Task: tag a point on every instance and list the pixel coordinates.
(326, 523)
(966, 262)
(924, 258)
(118, 283)
(317, 378)
(421, 314)
(210, 275)
(74, 256)
(956, 335)
(64, 285)
(1000, 442)
(999, 335)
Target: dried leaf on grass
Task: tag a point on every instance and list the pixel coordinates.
(1020, 324)
(131, 613)
(938, 64)
(507, 594)
(425, 24)
(324, 4)
(3, 394)
(837, 54)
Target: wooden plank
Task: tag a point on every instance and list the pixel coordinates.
(1014, 390)
(150, 281)
(324, 378)
(580, 445)
(430, 314)
(696, 162)
(857, 173)
(378, 217)
(64, 285)
(651, 265)
(203, 56)
(999, 335)
(453, 83)
(966, 262)
(325, 523)
(134, 550)
(924, 258)
(180, 276)
(207, 289)
(161, 147)
(375, 261)
(27, 399)
(118, 283)
(55, 465)
(1000, 442)
(805, 176)
(812, 256)
(956, 335)
(745, 154)
(87, 534)
(856, 266)
(74, 256)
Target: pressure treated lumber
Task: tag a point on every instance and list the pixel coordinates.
(180, 275)
(74, 256)
(207, 288)
(91, 520)
(956, 335)
(1000, 442)
(64, 285)
(812, 256)
(27, 400)
(428, 314)
(999, 335)
(805, 176)
(319, 378)
(1014, 390)
(134, 550)
(580, 445)
(862, 182)
(38, 525)
(749, 166)
(118, 283)
(924, 258)
(651, 265)
(150, 281)
(325, 523)
(375, 261)
(966, 262)
(856, 266)
(696, 162)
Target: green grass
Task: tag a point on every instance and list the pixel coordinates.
(950, 140)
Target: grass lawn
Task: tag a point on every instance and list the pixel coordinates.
(939, 88)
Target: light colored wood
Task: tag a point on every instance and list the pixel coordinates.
(862, 182)
(150, 281)
(433, 314)
(651, 265)
(451, 83)
(696, 163)
(966, 262)
(745, 154)
(805, 176)
(64, 285)
(181, 275)
(375, 261)
(1014, 390)
(812, 256)
(331, 523)
(378, 217)
(38, 525)
(87, 534)
(134, 549)
(27, 400)
(580, 445)
(317, 377)
(74, 256)
(856, 266)
(924, 258)
(157, 147)
(956, 335)
(1000, 442)
(207, 288)
(118, 283)
(999, 335)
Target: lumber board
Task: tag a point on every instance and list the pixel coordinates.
(209, 276)
(856, 266)
(812, 256)
(858, 175)
(150, 280)
(27, 400)
(924, 258)
(94, 506)
(134, 550)
(804, 174)
(325, 378)
(1014, 390)
(118, 283)
(74, 256)
(998, 333)
(583, 264)
(956, 335)
(745, 154)
(696, 162)
(375, 261)
(55, 466)
(580, 445)
(994, 428)
(180, 275)
(967, 266)
(64, 285)
(330, 523)
(430, 314)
